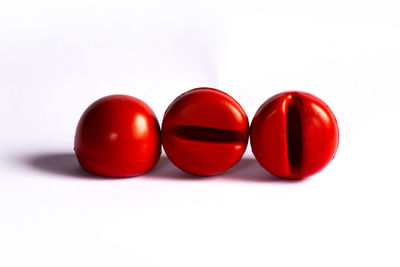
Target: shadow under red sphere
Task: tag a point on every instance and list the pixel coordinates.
(204, 131)
(294, 135)
(118, 136)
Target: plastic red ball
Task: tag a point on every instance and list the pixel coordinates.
(294, 135)
(204, 131)
(118, 136)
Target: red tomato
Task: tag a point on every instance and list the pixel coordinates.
(205, 131)
(294, 135)
(118, 136)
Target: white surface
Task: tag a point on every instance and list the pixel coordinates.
(58, 57)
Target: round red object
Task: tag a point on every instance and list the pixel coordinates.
(205, 131)
(294, 135)
(118, 136)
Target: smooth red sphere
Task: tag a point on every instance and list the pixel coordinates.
(205, 131)
(294, 135)
(118, 136)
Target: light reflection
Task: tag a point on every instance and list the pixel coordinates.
(238, 147)
(271, 114)
(235, 111)
(113, 137)
(139, 127)
(322, 113)
(285, 104)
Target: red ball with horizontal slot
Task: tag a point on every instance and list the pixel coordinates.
(294, 135)
(118, 136)
(205, 131)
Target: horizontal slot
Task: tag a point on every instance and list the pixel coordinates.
(207, 134)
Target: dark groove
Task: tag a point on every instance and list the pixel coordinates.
(207, 134)
(294, 134)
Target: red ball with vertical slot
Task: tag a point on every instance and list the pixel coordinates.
(205, 131)
(118, 136)
(294, 135)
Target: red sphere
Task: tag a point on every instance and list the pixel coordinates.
(118, 136)
(205, 131)
(294, 135)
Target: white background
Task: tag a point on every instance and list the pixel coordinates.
(57, 57)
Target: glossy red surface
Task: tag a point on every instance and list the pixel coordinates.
(294, 135)
(118, 136)
(204, 131)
